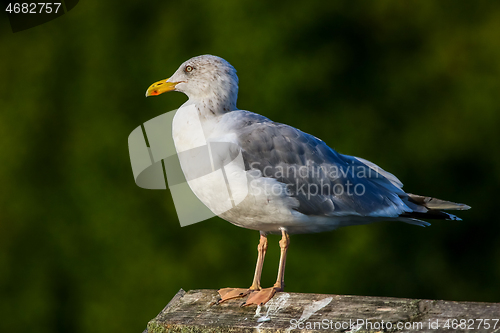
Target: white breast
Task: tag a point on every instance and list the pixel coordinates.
(218, 180)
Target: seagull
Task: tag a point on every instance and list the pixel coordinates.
(294, 182)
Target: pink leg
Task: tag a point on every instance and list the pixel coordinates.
(261, 248)
(264, 295)
(284, 243)
(230, 293)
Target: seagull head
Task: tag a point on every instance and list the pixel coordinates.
(209, 81)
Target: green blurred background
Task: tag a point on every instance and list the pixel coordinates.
(412, 86)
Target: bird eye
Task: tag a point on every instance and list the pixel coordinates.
(188, 69)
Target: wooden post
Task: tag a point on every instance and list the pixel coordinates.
(294, 312)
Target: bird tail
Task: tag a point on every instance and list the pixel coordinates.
(436, 204)
(430, 208)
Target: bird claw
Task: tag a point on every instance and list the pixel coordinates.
(231, 293)
(260, 297)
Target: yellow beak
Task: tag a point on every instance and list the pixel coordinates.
(160, 87)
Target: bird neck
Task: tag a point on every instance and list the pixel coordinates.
(203, 114)
(213, 107)
(216, 102)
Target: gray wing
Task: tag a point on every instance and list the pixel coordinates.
(324, 182)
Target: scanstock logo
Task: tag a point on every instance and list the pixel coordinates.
(26, 14)
(212, 170)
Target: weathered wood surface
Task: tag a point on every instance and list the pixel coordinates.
(294, 312)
